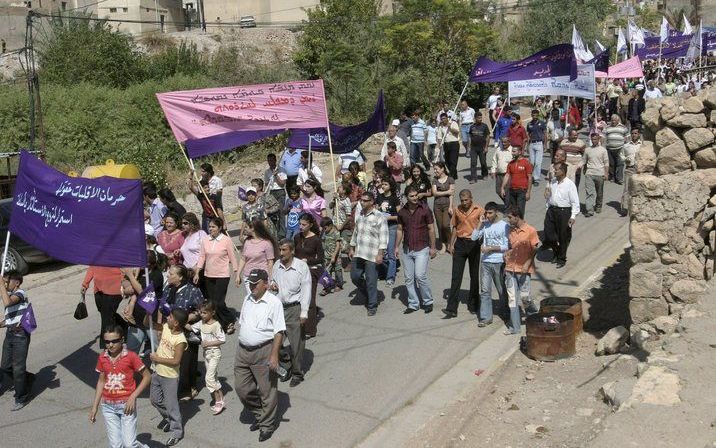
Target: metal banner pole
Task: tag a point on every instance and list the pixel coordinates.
(4, 254)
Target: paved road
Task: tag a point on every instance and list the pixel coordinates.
(362, 370)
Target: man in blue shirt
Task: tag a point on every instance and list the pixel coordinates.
(418, 130)
(291, 164)
(155, 209)
(503, 124)
(494, 235)
(537, 132)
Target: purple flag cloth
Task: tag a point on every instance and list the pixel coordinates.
(148, 299)
(674, 47)
(344, 138)
(553, 61)
(223, 142)
(28, 321)
(97, 222)
(601, 61)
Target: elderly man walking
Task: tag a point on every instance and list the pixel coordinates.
(595, 163)
(417, 233)
(367, 248)
(615, 136)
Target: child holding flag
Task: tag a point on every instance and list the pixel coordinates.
(20, 322)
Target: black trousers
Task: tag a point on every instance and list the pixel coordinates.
(188, 369)
(451, 154)
(518, 198)
(216, 292)
(476, 153)
(557, 232)
(466, 251)
(107, 307)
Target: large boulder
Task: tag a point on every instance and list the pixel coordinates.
(645, 161)
(688, 291)
(651, 119)
(646, 185)
(669, 109)
(673, 159)
(710, 100)
(643, 283)
(706, 158)
(665, 137)
(644, 309)
(692, 105)
(698, 138)
(687, 121)
(707, 177)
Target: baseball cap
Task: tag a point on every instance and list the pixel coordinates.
(250, 190)
(256, 275)
(395, 122)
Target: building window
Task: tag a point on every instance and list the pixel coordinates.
(64, 6)
(125, 9)
(112, 10)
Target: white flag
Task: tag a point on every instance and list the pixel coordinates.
(621, 42)
(580, 50)
(636, 35)
(696, 43)
(599, 46)
(664, 33)
(687, 27)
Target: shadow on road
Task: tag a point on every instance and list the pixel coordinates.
(607, 300)
(81, 364)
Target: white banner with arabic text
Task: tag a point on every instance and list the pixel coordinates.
(581, 87)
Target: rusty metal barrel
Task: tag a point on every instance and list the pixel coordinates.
(570, 305)
(550, 336)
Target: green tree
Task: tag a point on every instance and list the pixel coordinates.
(549, 22)
(78, 50)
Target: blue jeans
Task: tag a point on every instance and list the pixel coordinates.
(390, 264)
(536, 155)
(491, 273)
(14, 363)
(365, 276)
(416, 270)
(465, 134)
(121, 429)
(518, 290)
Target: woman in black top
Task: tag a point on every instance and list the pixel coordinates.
(309, 248)
(388, 203)
(170, 202)
(420, 179)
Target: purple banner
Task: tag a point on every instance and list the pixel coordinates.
(83, 221)
(554, 61)
(674, 47)
(601, 61)
(219, 143)
(344, 138)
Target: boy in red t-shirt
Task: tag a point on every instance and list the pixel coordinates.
(394, 160)
(517, 182)
(117, 390)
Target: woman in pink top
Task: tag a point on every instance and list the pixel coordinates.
(259, 251)
(312, 202)
(192, 240)
(171, 238)
(216, 255)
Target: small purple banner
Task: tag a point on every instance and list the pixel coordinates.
(674, 47)
(96, 222)
(601, 61)
(148, 299)
(553, 61)
(344, 138)
(28, 321)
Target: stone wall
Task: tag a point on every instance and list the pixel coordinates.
(672, 228)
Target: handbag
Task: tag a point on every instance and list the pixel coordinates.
(326, 280)
(81, 309)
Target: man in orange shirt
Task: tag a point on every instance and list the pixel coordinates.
(519, 267)
(464, 221)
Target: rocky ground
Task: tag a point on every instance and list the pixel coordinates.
(654, 392)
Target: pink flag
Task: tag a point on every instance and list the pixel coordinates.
(200, 114)
(631, 68)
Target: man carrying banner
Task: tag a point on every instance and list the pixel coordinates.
(17, 340)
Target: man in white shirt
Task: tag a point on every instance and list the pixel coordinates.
(449, 143)
(304, 174)
(467, 118)
(261, 328)
(563, 208)
(399, 144)
(275, 181)
(291, 282)
(492, 104)
(651, 91)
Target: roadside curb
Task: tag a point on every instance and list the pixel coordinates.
(415, 415)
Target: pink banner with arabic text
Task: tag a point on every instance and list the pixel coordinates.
(200, 114)
(631, 68)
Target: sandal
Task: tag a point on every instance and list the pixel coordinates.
(230, 329)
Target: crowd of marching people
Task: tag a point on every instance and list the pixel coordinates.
(298, 242)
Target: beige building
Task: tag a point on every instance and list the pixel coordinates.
(166, 15)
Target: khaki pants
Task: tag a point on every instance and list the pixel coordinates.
(212, 356)
(292, 358)
(256, 385)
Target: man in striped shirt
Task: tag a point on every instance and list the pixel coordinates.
(17, 340)
(367, 248)
(615, 135)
